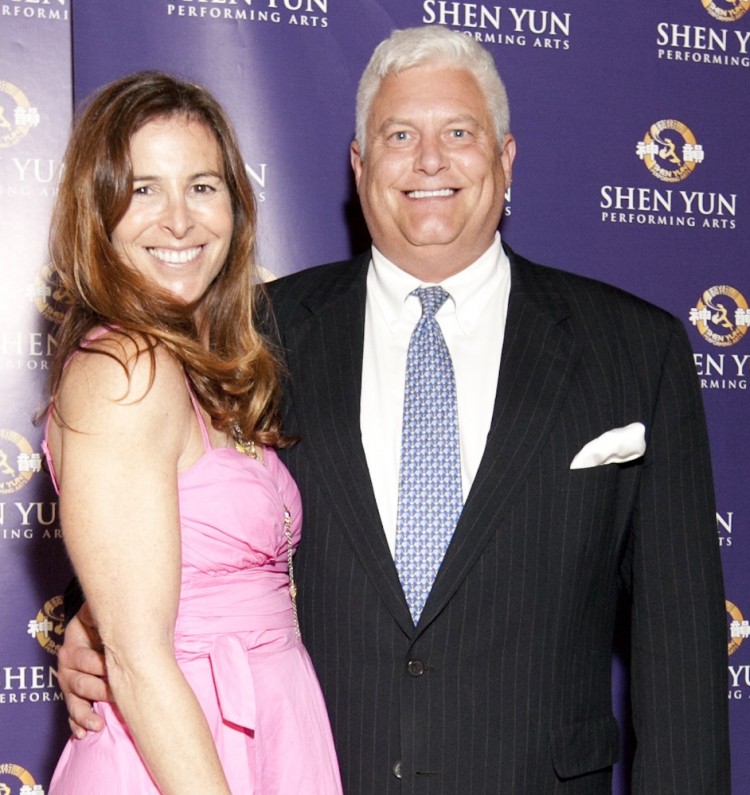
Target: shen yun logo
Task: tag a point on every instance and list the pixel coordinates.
(305, 13)
(549, 30)
(727, 10)
(47, 294)
(714, 45)
(670, 151)
(49, 625)
(739, 673)
(11, 775)
(739, 627)
(17, 116)
(35, 9)
(18, 461)
(721, 316)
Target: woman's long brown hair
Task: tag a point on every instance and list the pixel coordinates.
(230, 365)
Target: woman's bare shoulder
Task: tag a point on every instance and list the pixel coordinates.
(117, 371)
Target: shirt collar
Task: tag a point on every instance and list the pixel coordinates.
(470, 290)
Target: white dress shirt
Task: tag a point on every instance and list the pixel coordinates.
(473, 324)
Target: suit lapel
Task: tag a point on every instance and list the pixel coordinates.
(537, 360)
(325, 361)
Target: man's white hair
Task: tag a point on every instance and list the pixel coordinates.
(432, 44)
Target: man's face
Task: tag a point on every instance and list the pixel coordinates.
(433, 178)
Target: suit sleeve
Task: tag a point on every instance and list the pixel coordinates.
(678, 619)
(73, 600)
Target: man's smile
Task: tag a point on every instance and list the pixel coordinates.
(430, 194)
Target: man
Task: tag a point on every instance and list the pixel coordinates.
(571, 426)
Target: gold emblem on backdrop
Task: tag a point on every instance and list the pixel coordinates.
(49, 625)
(10, 771)
(18, 461)
(727, 10)
(721, 316)
(739, 629)
(670, 151)
(47, 294)
(17, 116)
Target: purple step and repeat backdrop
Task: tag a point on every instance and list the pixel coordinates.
(633, 167)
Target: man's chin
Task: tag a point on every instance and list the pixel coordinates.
(432, 236)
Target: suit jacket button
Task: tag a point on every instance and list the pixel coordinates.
(415, 668)
(397, 769)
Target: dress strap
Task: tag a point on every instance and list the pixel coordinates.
(199, 415)
(46, 450)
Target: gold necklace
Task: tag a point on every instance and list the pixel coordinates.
(249, 449)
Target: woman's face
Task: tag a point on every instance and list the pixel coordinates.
(178, 227)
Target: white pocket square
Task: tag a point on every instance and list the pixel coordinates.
(613, 447)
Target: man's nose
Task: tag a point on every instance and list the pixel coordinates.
(431, 155)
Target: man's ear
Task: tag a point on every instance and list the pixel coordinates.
(356, 160)
(507, 156)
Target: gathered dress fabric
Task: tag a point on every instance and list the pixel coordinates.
(235, 642)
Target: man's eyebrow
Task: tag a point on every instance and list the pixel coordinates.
(461, 118)
(394, 121)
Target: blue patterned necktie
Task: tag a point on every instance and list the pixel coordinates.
(429, 490)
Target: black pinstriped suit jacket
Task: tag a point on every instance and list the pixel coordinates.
(504, 687)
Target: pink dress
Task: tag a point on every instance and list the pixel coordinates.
(235, 642)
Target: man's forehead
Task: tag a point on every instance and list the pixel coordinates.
(401, 97)
(429, 81)
(423, 69)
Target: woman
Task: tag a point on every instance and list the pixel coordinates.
(177, 515)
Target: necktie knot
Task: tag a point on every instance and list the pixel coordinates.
(431, 298)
